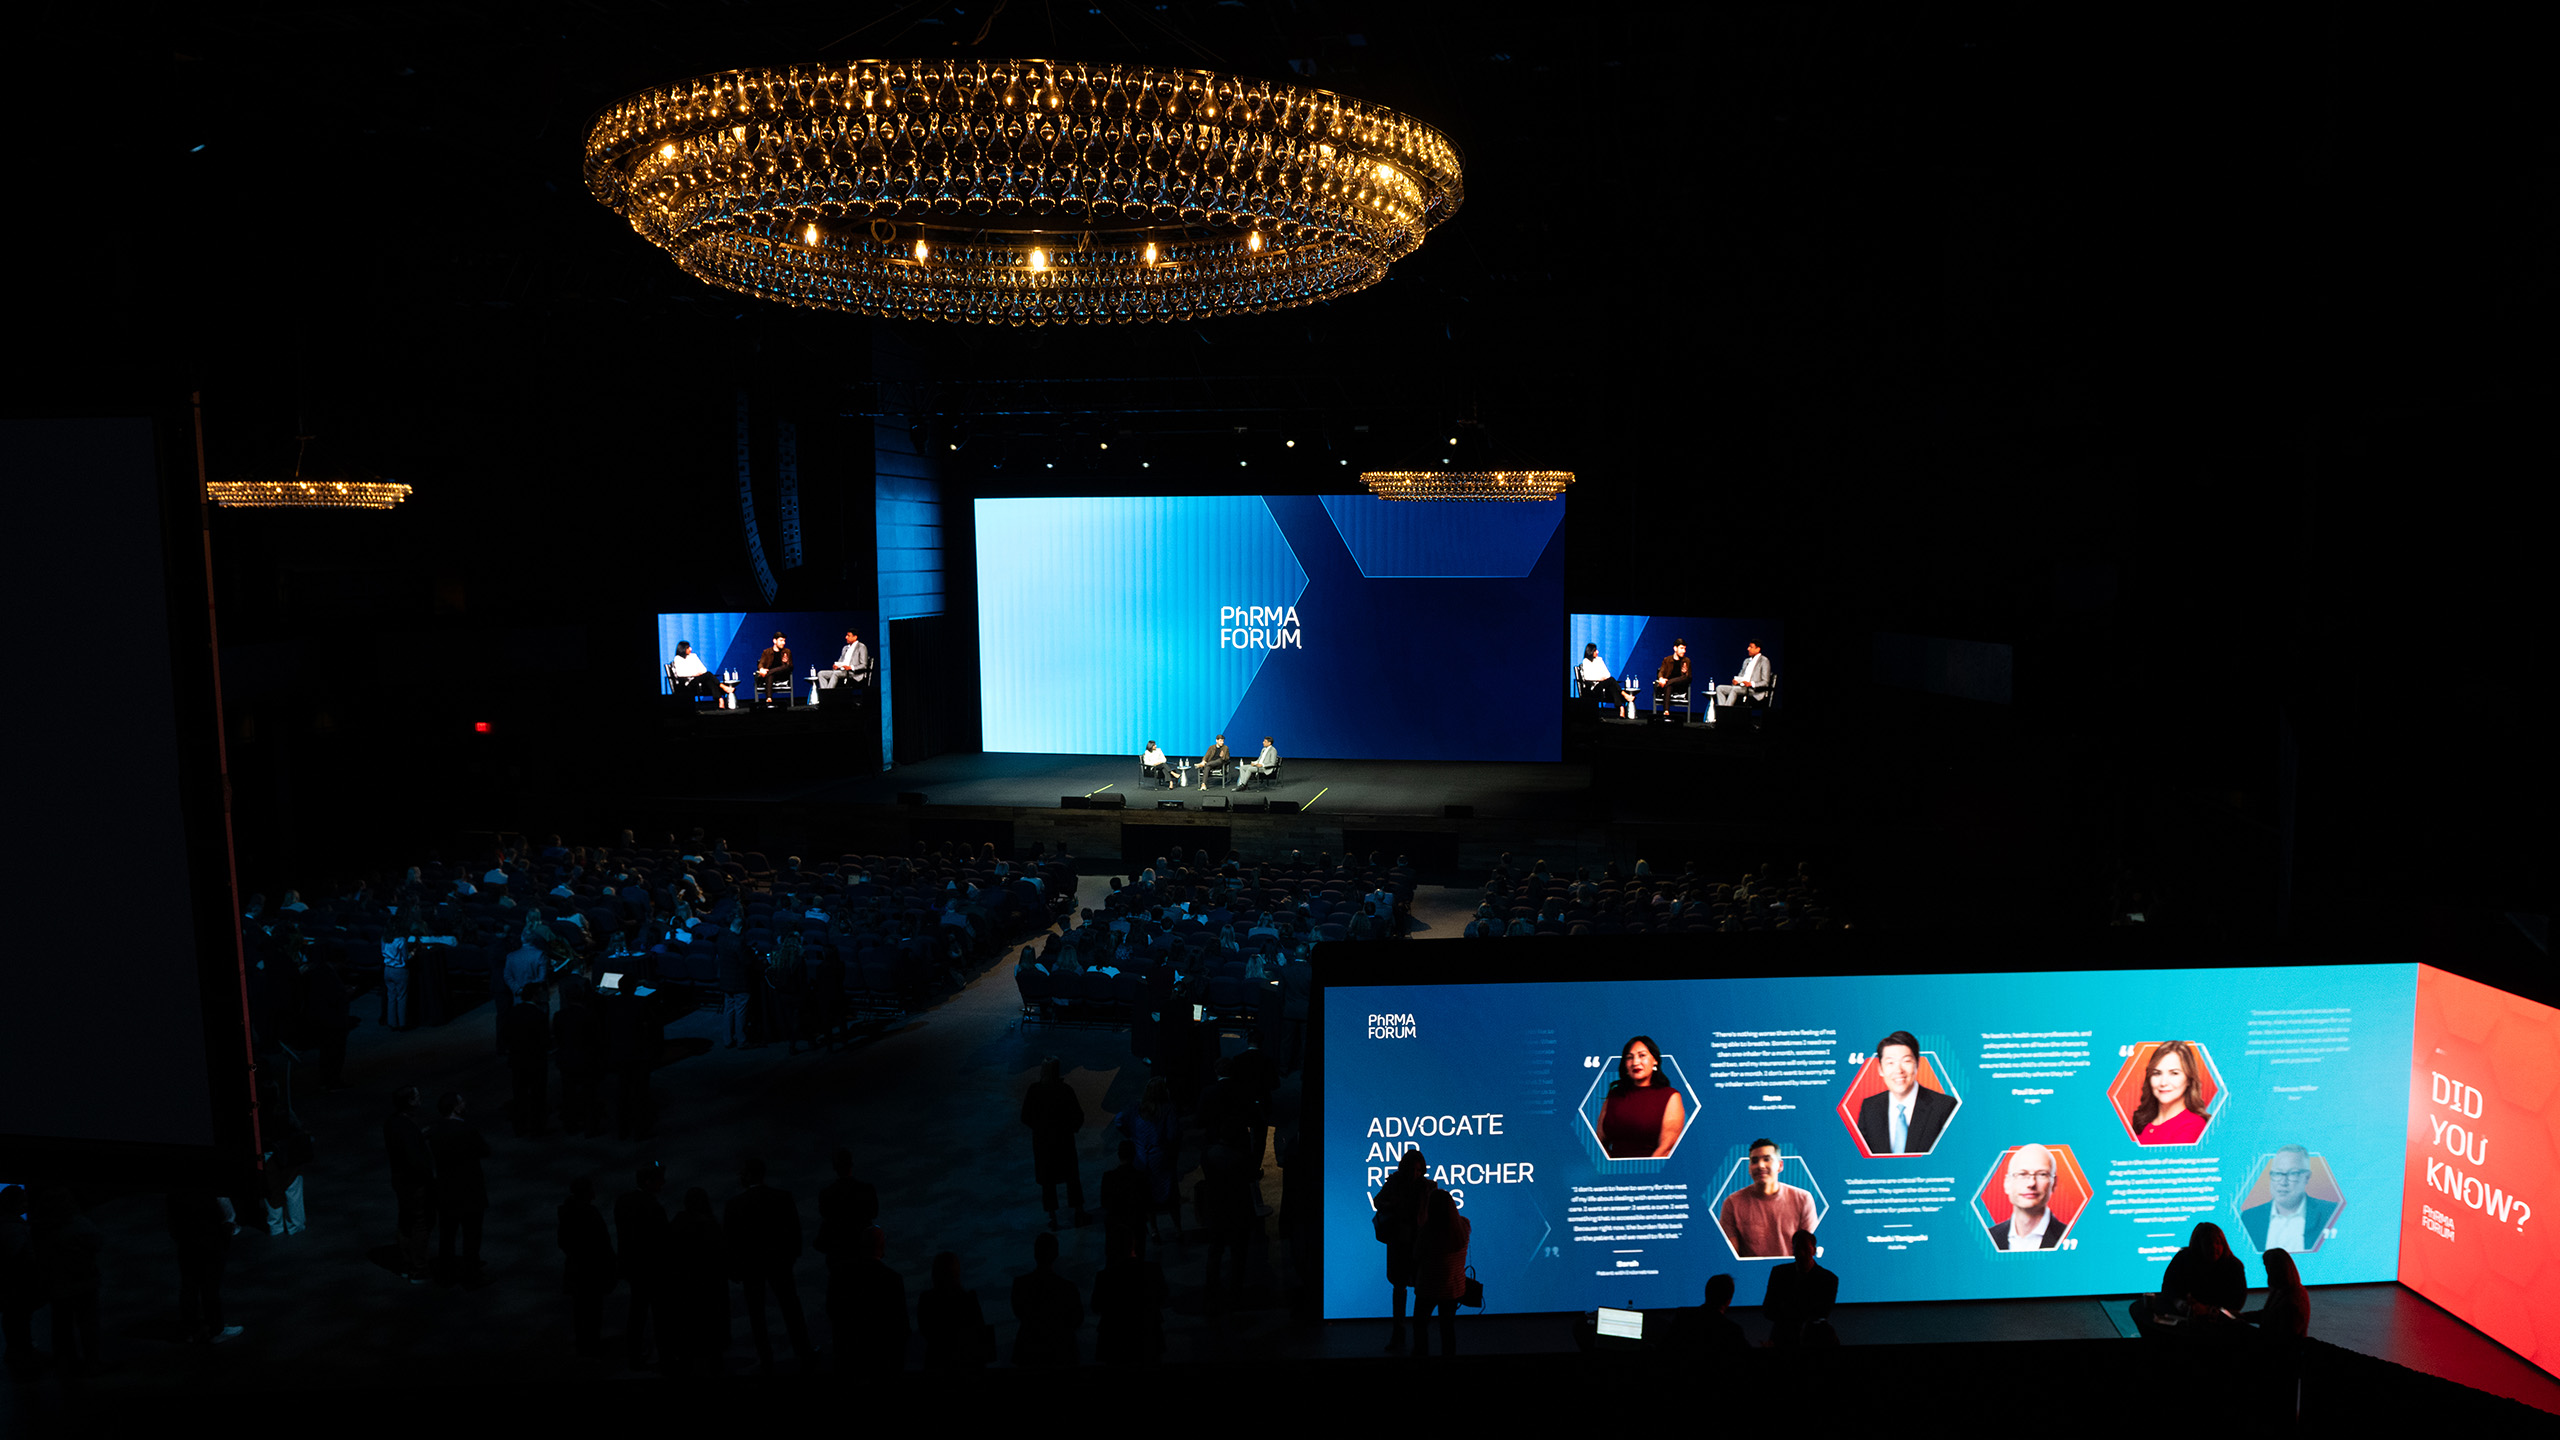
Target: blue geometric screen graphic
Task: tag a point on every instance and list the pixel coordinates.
(1101, 617)
(1104, 623)
(1442, 538)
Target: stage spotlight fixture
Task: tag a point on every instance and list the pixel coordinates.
(1106, 444)
(1453, 439)
(1242, 463)
(1293, 444)
(1143, 464)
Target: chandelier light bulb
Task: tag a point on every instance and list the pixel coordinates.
(809, 236)
(1151, 252)
(1253, 241)
(922, 251)
(666, 152)
(1039, 258)
(1508, 485)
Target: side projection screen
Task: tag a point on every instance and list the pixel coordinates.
(1341, 626)
(1948, 1136)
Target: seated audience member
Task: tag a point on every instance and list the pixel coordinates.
(2287, 1313)
(2206, 1274)
(1800, 1298)
(1709, 1329)
(2205, 1286)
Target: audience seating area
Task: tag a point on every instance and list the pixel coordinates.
(1221, 935)
(1536, 901)
(875, 932)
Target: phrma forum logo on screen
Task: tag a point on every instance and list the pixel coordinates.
(1392, 1027)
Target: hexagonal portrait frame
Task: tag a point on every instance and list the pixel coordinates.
(2072, 1196)
(1796, 1173)
(2124, 1093)
(1589, 1113)
(1869, 1081)
(2321, 1193)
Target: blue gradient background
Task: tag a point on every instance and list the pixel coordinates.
(1427, 626)
(1476, 1051)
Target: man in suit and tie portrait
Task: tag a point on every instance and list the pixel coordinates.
(2291, 1218)
(1907, 1117)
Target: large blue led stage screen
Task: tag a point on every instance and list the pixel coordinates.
(2022, 1121)
(1636, 644)
(1341, 626)
(735, 639)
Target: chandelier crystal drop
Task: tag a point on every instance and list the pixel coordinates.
(306, 494)
(1467, 484)
(1021, 192)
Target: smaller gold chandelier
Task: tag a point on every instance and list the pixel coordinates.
(298, 494)
(1467, 484)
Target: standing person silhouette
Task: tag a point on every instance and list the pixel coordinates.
(763, 1229)
(1397, 1222)
(1054, 1114)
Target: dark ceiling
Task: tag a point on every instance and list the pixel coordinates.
(2206, 362)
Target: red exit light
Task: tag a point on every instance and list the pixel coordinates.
(480, 727)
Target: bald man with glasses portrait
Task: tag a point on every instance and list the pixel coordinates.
(2291, 1218)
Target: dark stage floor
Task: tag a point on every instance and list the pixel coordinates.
(1497, 790)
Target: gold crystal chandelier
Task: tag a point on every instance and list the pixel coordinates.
(306, 494)
(1467, 484)
(1021, 192)
(320, 490)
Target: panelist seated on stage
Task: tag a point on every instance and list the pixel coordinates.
(1671, 679)
(692, 677)
(1263, 765)
(1152, 761)
(1754, 678)
(1213, 760)
(855, 661)
(1598, 684)
(773, 668)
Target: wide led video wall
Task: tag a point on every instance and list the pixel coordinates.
(2483, 1153)
(1341, 626)
(1947, 1137)
(1634, 646)
(733, 640)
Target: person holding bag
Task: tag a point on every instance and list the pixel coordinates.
(1440, 1280)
